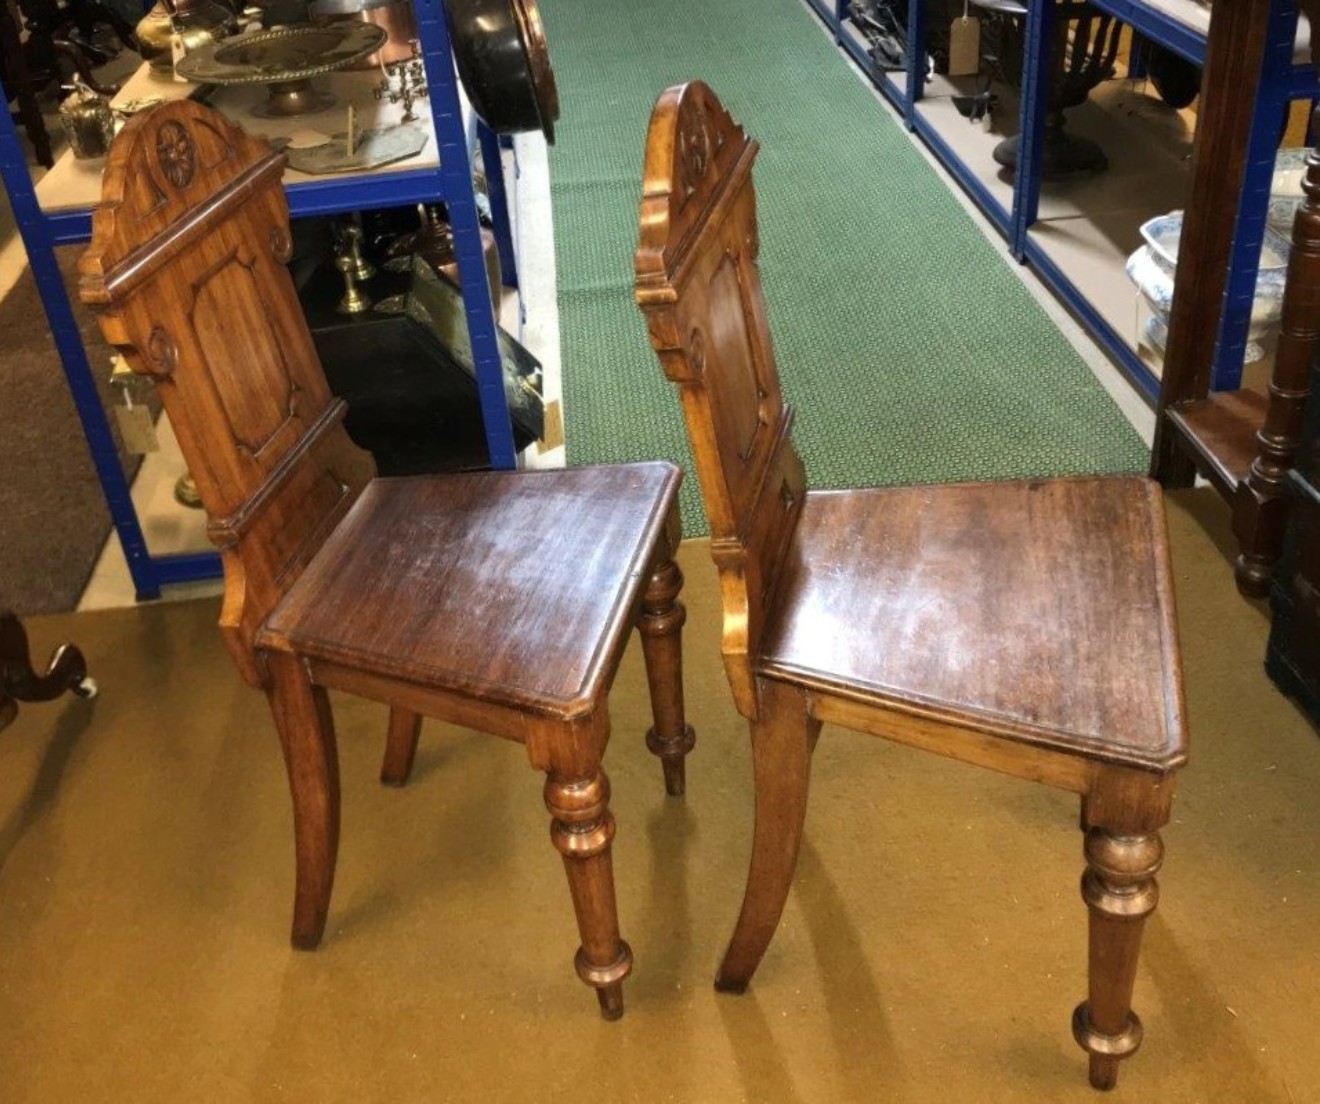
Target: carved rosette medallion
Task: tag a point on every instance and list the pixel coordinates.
(176, 153)
(693, 148)
(162, 353)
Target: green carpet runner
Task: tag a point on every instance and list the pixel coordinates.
(911, 350)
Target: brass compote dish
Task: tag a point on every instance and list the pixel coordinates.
(286, 59)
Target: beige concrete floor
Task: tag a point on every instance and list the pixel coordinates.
(932, 950)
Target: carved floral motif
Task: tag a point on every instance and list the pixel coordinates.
(694, 148)
(176, 153)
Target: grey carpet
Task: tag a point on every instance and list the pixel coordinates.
(54, 515)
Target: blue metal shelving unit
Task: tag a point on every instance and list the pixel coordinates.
(450, 183)
(1281, 81)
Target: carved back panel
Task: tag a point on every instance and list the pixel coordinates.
(186, 270)
(700, 289)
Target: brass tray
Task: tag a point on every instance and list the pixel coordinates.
(286, 59)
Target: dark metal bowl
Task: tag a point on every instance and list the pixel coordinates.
(503, 61)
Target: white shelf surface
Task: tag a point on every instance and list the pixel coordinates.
(1196, 15)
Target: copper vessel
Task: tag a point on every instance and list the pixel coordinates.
(394, 17)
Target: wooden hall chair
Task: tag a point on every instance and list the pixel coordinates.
(500, 601)
(1027, 627)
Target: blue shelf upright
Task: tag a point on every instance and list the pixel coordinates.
(1282, 79)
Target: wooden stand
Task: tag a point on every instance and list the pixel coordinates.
(1241, 441)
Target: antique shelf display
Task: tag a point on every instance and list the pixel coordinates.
(57, 211)
(285, 59)
(1082, 53)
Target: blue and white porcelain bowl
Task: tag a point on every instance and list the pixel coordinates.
(1286, 194)
(1151, 268)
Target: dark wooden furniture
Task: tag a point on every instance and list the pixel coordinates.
(499, 600)
(1293, 655)
(19, 681)
(19, 85)
(1026, 627)
(1241, 441)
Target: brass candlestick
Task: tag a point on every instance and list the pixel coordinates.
(355, 300)
(363, 269)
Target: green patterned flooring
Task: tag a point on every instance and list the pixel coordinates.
(911, 350)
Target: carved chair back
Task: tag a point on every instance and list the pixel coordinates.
(186, 269)
(700, 289)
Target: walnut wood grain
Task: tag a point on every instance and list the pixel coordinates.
(403, 586)
(1220, 432)
(951, 602)
(1026, 627)
(500, 601)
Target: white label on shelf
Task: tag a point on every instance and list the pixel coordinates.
(965, 47)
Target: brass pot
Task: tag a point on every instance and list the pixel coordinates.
(196, 21)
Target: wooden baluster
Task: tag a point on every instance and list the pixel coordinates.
(577, 794)
(660, 626)
(1260, 510)
(1120, 891)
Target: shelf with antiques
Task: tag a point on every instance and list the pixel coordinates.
(392, 136)
(1099, 93)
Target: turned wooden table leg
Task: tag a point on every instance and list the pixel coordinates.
(660, 626)
(581, 829)
(400, 746)
(307, 735)
(1120, 892)
(783, 739)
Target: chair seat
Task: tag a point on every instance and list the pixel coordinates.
(402, 587)
(1040, 611)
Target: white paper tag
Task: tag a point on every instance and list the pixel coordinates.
(136, 428)
(965, 46)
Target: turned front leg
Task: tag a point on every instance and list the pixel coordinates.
(582, 829)
(660, 626)
(1120, 891)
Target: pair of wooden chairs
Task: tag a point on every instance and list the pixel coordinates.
(1027, 627)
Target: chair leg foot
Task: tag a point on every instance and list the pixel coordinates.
(782, 742)
(611, 1001)
(307, 736)
(582, 829)
(729, 985)
(1253, 575)
(400, 746)
(1120, 892)
(660, 626)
